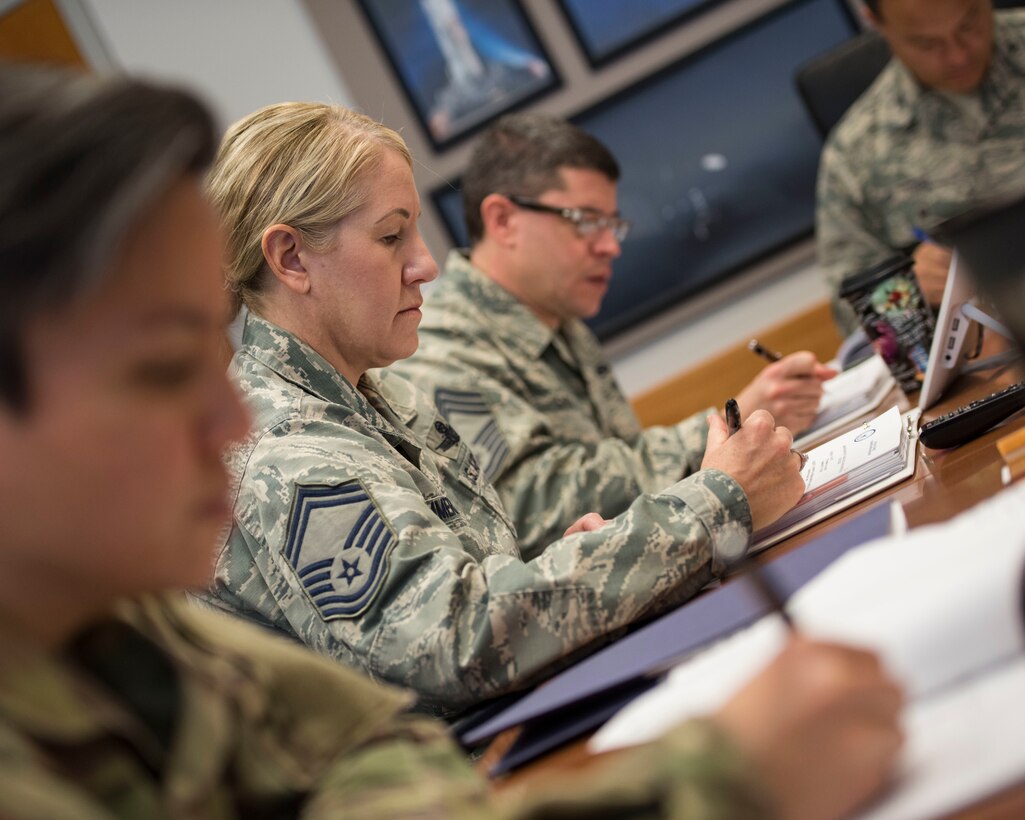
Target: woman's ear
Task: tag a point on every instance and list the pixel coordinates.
(282, 249)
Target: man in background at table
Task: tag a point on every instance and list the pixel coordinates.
(941, 129)
(506, 357)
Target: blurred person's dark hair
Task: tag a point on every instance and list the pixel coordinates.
(83, 157)
(521, 154)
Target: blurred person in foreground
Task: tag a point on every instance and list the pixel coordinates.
(940, 130)
(118, 698)
(363, 525)
(507, 358)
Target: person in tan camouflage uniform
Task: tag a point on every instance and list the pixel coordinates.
(942, 129)
(511, 365)
(364, 525)
(119, 698)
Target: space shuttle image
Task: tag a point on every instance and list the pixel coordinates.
(485, 72)
(462, 64)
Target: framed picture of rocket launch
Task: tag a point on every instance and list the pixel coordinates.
(461, 63)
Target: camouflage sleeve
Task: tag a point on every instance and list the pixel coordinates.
(431, 612)
(547, 484)
(693, 433)
(846, 241)
(694, 773)
(545, 481)
(354, 751)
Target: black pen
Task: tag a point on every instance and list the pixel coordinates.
(761, 580)
(756, 347)
(732, 416)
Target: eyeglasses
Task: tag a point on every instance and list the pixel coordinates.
(586, 221)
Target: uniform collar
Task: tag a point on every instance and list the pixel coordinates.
(512, 325)
(298, 363)
(294, 360)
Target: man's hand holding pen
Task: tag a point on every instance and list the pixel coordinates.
(759, 458)
(790, 388)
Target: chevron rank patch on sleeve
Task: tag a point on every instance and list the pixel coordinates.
(471, 416)
(338, 545)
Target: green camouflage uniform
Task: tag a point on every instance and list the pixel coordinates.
(905, 156)
(540, 408)
(168, 711)
(364, 527)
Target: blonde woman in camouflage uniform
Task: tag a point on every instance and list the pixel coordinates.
(364, 525)
(117, 698)
(940, 130)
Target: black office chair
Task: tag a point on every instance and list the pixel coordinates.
(831, 82)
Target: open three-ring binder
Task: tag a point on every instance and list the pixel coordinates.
(848, 469)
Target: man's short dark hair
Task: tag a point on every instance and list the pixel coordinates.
(522, 154)
(82, 157)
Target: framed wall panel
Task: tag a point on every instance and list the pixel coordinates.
(608, 28)
(461, 62)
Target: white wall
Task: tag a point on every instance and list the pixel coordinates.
(238, 54)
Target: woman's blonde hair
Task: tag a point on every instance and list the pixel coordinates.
(299, 164)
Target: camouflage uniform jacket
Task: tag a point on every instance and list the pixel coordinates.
(907, 157)
(364, 527)
(165, 710)
(540, 408)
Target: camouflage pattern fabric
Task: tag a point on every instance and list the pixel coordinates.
(364, 527)
(169, 711)
(540, 408)
(907, 157)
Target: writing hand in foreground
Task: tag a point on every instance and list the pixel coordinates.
(759, 458)
(932, 262)
(586, 523)
(790, 389)
(821, 724)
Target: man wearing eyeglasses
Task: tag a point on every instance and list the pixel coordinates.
(508, 360)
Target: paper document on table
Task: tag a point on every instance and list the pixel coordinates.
(846, 469)
(847, 396)
(943, 608)
(959, 747)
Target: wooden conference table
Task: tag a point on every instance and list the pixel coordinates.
(945, 482)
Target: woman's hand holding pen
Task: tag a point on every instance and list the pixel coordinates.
(759, 458)
(790, 389)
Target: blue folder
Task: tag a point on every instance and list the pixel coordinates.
(570, 702)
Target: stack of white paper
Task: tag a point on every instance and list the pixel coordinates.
(942, 606)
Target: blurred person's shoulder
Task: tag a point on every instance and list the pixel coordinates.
(883, 111)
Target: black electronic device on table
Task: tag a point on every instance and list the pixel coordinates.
(973, 419)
